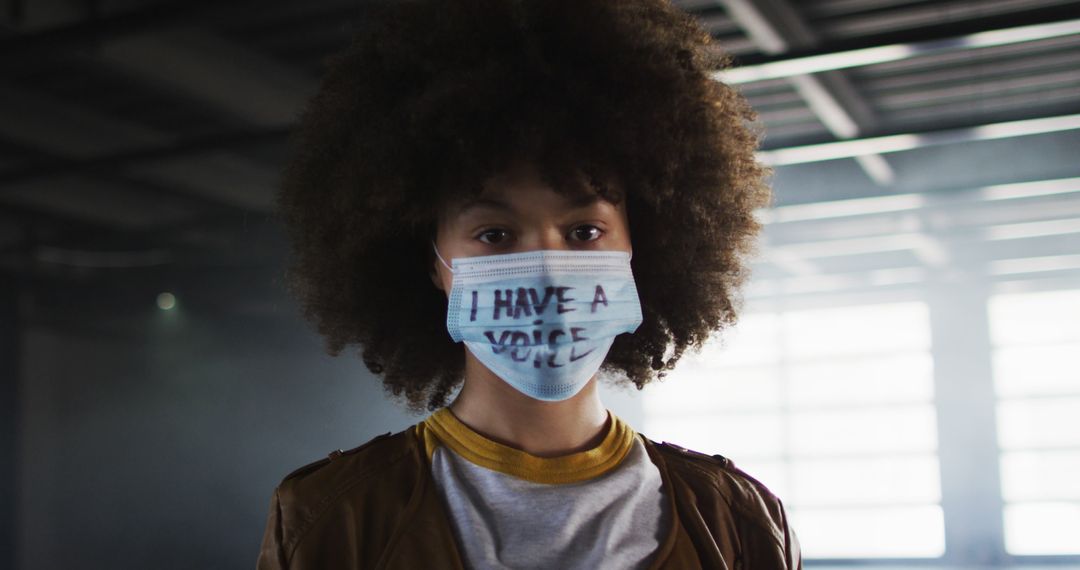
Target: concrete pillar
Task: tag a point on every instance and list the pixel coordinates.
(10, 333)
(965, 399)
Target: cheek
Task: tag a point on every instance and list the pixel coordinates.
(442, 274)
(447, 281)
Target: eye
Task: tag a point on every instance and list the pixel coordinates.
(587, 232)
(495, 236)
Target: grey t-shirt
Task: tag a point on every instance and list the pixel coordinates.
(616, 518)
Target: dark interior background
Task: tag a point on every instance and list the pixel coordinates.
(140, 144)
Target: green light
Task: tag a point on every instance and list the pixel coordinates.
(166, 301)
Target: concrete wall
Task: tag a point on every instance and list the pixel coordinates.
(156, 443)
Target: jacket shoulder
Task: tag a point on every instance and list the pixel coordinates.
(717, 468)
(740, 491)
(313, 467)
(308, 492)
(344, 467)
(696, 457)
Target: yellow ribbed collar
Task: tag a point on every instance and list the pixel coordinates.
(443, 427)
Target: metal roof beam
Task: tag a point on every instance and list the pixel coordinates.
(202, 66)
(85, 32)
(836, 59)
(60, 131)
(913, 140)
(777, 28)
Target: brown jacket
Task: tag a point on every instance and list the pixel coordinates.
(376, 506)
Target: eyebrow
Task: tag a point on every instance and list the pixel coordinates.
(481, 202)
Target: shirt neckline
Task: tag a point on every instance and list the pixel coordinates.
(490, 454)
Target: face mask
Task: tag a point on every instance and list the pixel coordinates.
(543, 321)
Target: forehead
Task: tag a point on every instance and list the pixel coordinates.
(507, 200)
(521, 188)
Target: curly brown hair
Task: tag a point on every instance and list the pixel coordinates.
(433, 97)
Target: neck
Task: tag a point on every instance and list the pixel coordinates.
(499, 412)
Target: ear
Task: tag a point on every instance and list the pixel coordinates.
(435, 272)
(435, 279)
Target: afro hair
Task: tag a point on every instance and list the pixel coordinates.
(434, 97)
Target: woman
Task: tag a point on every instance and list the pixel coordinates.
(504, 198)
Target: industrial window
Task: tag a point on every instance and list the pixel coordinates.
(831, 408)
(1036, 359)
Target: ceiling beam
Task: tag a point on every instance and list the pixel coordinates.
(199, 65)
(158, 46)
(85, 31)
(913, 140)
(777, 28)
(836, 58)
(62, 131)
(47, 167)
(775, 157)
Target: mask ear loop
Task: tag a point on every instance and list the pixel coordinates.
(440, 257)
(433, 246)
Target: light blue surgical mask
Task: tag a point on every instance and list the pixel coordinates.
(542, 320)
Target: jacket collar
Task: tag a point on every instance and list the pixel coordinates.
(448, 430)
(425, 500)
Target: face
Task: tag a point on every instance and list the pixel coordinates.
(517, 212)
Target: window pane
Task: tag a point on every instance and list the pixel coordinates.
(901, 378)
(1035, 318)
(864, 430)
(1027, 475)
(1042, 528)
(1037, 370)
(1039, 423)
(1037, 379)
(696, 389)
(857, 330)
(752, 341)
(916, 531)
(865, 481)
(832, 409)
(732, 435)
